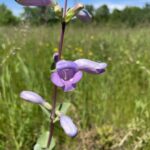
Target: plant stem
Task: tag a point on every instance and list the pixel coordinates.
(63, 26)
(65, 8)
(52, 117)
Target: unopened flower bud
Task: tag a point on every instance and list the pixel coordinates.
(56, 57)
(78, 7)
(32, 97)
(69, 127)
(58, 10)
(73, 11)
(84, 16)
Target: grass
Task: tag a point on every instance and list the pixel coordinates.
(108, 109)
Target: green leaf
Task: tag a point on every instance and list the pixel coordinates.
(37, 147)
(63, 108)
(42, 142)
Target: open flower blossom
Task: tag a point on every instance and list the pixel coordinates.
(35, 2)
(68, 73)
(69, 127)
(84, 15)
(32, 97)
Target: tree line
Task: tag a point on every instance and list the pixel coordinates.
(129, 16)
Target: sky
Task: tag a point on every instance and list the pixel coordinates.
(120, 4)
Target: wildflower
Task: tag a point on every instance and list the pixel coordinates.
(68, 73)
(68, 126)
(32, 97)
(92, 37)
(58, 10)
(84, 15)
(55, 49)
(35, 2)
(90, 54)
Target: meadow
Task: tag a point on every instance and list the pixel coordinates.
(111, 110)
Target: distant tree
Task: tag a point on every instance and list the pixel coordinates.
(39, 15)
(102, 14)
(147, 6)
(7, 17)
(131, 16)
(115, 16)
(31, 15)
(146, 13)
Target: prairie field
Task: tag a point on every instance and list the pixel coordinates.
(112, 110)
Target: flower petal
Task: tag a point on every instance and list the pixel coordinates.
(34, 2)
(63, 64)
(77, 77)
(84, 16)
(32, 97)
(68, 126)
(68, 86)
(56, 79)
(91, 66)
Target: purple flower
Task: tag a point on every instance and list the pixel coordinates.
(91, 66)
(84, 16)
(35, 2)
(32, 97)
(68, 126)
(66, 75)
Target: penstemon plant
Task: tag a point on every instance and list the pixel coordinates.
(65, 74)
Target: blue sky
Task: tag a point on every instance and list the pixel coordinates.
(120, 4)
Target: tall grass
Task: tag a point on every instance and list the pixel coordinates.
(115, 101)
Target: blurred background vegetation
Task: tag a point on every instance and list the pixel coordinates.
(111, 110)
(129, 16)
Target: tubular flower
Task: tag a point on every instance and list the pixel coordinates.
(35, 2)
(32, 97)
(68, 73)
(68, 126)
(91, 66)
(84, 15)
